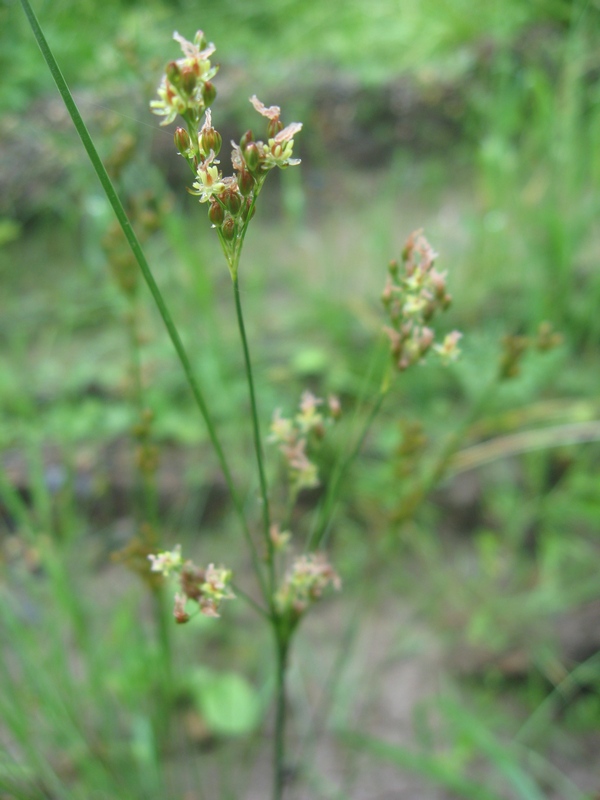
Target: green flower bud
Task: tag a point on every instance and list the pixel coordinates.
(251, 155)
(210, 139)
(188, 81)
(273, 128)
(183, 142)
(246, 139)
(245, 182)
(208, 93)
(216, 214)
(228, 229)
(173, 73)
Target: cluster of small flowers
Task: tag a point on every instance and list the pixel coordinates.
(206, 588)
(187, 91)
(186, 88)
(304, 584)
(293, 436)
(412, 296)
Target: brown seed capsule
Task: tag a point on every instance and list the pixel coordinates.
(216, 214)
(228, 229)
(245, 182)
(233, 201)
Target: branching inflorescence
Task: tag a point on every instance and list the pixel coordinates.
(291, 582)
(187, 91)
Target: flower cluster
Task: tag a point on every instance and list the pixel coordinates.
(232, 199)
(205, 588)
(413, 294)
(304, 584)
(293, 435)
(186, 90)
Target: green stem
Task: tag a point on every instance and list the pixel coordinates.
(163, 701)
(325, 513)
(282, 642)
(146, 272)
(264, 492)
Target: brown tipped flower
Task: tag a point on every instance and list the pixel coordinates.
(179, 612)
(246, 139)
(209, 139)
(273, 127)
(183, 142)
(173, 72)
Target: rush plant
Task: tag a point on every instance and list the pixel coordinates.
(291, 574)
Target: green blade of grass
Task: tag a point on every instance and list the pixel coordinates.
(503, 757)
(430, 767)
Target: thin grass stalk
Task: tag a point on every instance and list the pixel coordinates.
(282, 644)
(260, 462)
(281, 633)
(325, 514)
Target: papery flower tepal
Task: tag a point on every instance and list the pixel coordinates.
(273, 112)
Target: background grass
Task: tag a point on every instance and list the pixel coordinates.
(483, 126)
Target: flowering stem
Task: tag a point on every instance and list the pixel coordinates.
(264, 494)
